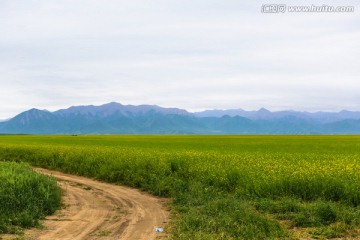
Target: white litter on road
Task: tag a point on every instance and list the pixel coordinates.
(159, 230)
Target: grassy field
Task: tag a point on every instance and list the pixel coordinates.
(223, 187)
(25, 197)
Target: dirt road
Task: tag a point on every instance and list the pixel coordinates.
(96, 210)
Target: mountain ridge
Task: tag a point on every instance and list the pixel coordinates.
(263, 113)
(115, 118)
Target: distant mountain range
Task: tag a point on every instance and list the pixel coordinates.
(264, 114)
(115, 118)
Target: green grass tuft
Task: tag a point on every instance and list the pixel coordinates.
(25, 197)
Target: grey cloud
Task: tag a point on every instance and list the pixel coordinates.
(187, 54)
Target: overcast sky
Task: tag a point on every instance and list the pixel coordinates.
(191, 54)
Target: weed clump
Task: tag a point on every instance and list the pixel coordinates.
(25, 196)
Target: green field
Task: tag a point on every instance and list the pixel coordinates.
(25, 197)
(222, 187)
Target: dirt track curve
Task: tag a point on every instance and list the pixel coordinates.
(97, 210)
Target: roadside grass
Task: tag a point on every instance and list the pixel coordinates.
(322, 219)
(222, 187)
(25, 197)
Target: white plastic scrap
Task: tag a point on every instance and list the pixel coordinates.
(159, 230)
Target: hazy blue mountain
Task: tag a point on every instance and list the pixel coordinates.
(264, 114)
(114, 108)
(115, 118)
(348, 126)
(111, 118)
(32, 121)
(231, 125)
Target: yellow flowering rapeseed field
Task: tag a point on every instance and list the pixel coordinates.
(222, 187)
